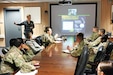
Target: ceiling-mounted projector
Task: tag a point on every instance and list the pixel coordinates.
(65, 2)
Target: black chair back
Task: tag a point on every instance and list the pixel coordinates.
(108, 50)
(0, 59)
(5, 50)
(38, 39)
(100, 55)
(82, 61)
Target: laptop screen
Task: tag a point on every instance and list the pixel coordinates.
(69, 42)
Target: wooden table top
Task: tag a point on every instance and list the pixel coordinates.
(54, 62)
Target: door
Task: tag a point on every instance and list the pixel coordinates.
(12, 30)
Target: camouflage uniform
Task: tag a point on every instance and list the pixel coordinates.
(94, 43)
(28, 55)
(94, 50)
(15, 57)
(93, 37)
(47, 39)
(77, 49)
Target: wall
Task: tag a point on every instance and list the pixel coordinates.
(38, 27)
(103, 17)
(105, 21)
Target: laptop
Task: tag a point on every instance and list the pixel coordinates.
(68, 42)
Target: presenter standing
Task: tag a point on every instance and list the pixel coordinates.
(28, 25)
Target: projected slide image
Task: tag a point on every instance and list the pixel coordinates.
(72, 11)
(73, 22)
(79, 25)
(74, 25)
(68, 25)
(70, 20)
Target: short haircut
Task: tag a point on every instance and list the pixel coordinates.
(104, 38)
(107, 67)
(12, 41)
(102, 31)
(22, 41)
(80, 36)
(28, 36)
(96, 28)
(17, 43)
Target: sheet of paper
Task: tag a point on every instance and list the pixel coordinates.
(30, 73)
(66, 51)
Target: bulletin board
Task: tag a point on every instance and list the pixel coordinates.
(35, 13)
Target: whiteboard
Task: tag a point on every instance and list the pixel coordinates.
(35, 13)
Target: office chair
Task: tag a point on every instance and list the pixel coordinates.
(82, 61)
(108, 51)
(38, 39)
(98, 58)
(0, 66)
(5, 50)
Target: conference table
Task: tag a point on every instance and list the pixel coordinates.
(54, 62)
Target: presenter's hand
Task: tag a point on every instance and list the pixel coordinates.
(15, 23)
